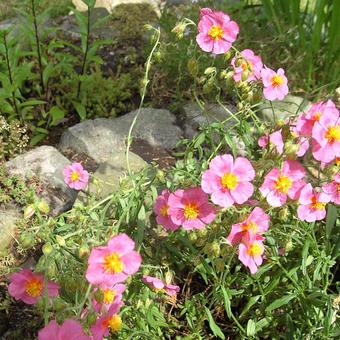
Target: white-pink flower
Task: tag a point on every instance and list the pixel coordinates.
(274, 84)
(247, 63)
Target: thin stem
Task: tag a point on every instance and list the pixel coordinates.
(83, 67)
(38, 45)
(10, 76)
(145, 85)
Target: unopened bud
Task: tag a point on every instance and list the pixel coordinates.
(60, 240)
(168, 277)
(227, 56)
(29, 211)
(284, 213)
(26, 240)
(99, 296)
(209, 71)
(43, 207)
(84, 251)
(245, 75)
(289, 246)
(47, 248)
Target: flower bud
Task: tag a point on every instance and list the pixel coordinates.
(193, 67)
(245, 75)
(168, 277)
(26, 240)
(60, 240)
(99, 296)
(284, 213)
(43, 207)
(209, 71)
(47, 248)
(289, 246)
(29, 211)
(227, 56)
(84, 251)
(219, 264)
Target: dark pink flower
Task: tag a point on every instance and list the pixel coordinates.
(161, 209)
(228, 181)
(75, 176)
(280, 184)
(256, 223)
(216, 31)
(109, 322)
(326, 137)
(29, 287)
(274, 84)
(113, 263)
(190, 208)
(247, 62)
(312, 204)
(69, 330)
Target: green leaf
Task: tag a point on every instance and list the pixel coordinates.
(227, 304)
(332, 213)
(57, 115)
(251, 302)
(251, 327)
(81, 110)
(280, 302)
(213, 326)
(37, 138)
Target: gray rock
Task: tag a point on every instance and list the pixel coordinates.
(9, 214)
(195, 117)
(46, 163)
(101, 138)
(107, 177)
(290, 106)
(7, 25)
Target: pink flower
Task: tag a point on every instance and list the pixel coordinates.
(278, 184)
(75, 176)
(29, 287)
(303, 144)
(275, 84)
(111, 295)
(161, 208)
(251, 251)
(69, 330)
(249, 62)
(228, 181)
(275, 139)
(326, 137)
(113, 263)
(158, 285)
(190, 208)
(216, 31)
(256, 223)
(306, 121)
(110, 321)
(312, 204)
(332, 189)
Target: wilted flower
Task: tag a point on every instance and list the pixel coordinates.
(158, 285)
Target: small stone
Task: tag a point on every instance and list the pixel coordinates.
(9, 215)
(101, 138)
(47, 164)
(290, 106)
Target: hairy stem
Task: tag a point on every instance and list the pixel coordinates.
(14, 103)
(38, 44)
(83, 68)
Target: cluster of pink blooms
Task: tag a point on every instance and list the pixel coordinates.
(216, 33)
(75, 176)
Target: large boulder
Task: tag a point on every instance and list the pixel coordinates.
(290, 106)
(109, 5)
(101, 138)
(47, 164)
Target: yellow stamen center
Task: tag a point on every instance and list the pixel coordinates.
(113, 264)
(109, 295)
(316, 204)
(283, 184)
(75, 176)
(216, 32)
(164, 210)
(34, 287)
(254, 250)
(337, 161)
(191, 211)
(316, 116)
(229, 181)
(249, 226)
(115, 323)
(338, 188)
(277, 80)
(333, 134)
